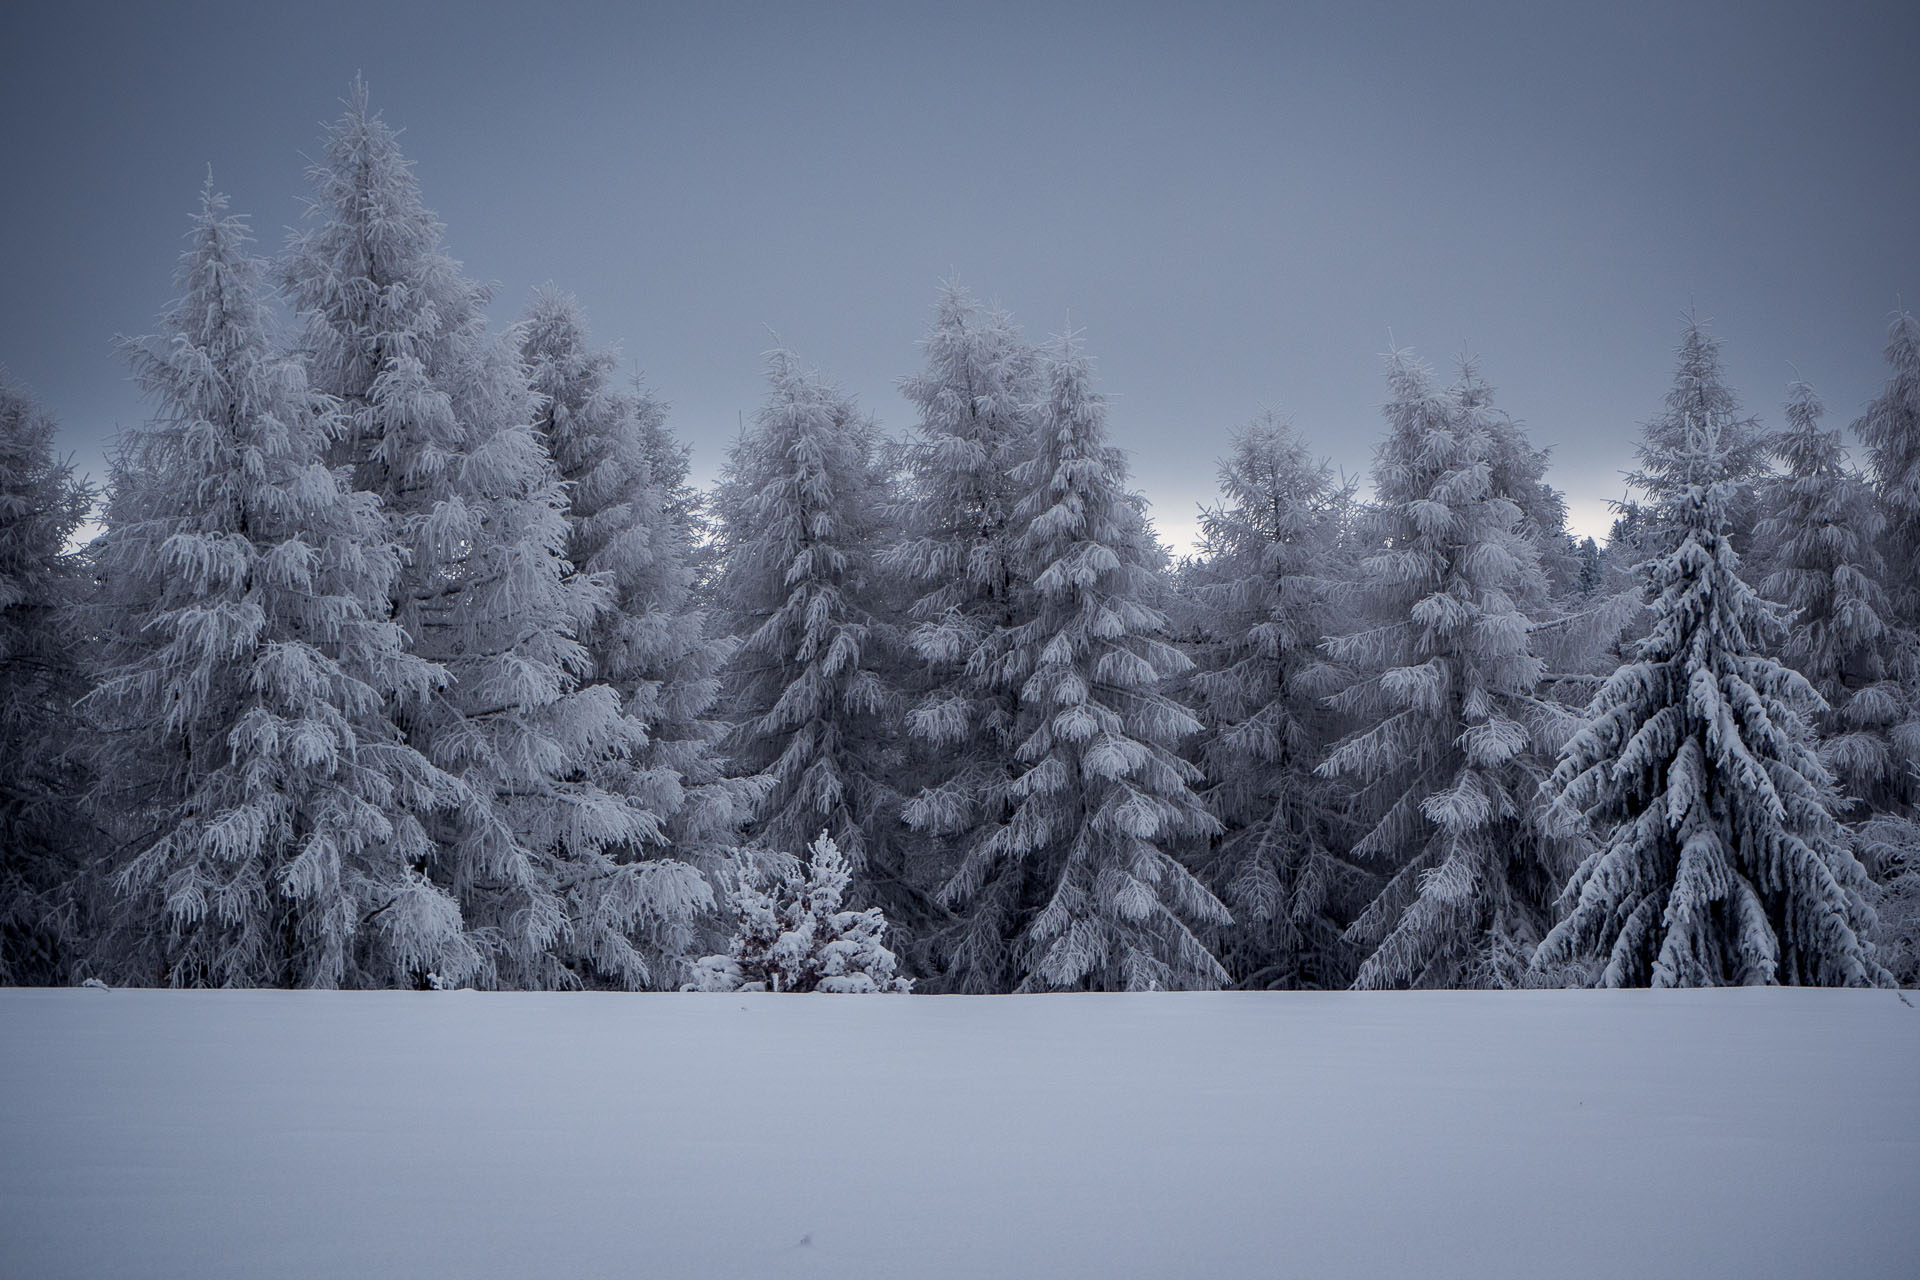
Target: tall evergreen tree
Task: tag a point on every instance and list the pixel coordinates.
(272, 812)
(650, 646)
(1263, 593)
(1824, 529)
(1890, 428)
(440, 428)
(811, 685)
(1452, 739)
(976, 398)
(1079, 887)
(1719, 859)
(42, 836)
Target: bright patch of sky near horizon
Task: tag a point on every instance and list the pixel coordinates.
(1241, 205)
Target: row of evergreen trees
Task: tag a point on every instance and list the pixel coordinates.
(408, 655)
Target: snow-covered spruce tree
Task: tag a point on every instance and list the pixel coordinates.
(1890, 428)
(1452, 741)
(43, 838)
(793, 934)
(1823, 528)
(1588, 571)
(976, 399)
(1719, 860)
(651, 646)
(1079, 886)
(440, 427)
(1262, 594)
(270, 813)
(810, 686)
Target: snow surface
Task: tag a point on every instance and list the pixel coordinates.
(1537, 1134)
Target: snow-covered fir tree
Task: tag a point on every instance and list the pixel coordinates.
(976, 398)
(1890, 428)
(1452, 740)
(1270, 554)
(794, 935)
(651, 645)
(1719, 860)
(811, 685)
(1823, 529)
(440, 426)
(1079, 886)
(270, 814)
(43, 836)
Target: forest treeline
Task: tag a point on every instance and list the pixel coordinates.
(408, 655)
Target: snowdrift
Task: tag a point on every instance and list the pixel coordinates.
(1537, 1134)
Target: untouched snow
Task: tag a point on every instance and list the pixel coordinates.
(1718, 1133)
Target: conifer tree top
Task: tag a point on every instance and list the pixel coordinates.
(1671, 458)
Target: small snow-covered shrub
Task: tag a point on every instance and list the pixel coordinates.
(792, 935)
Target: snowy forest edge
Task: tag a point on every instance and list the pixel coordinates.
(407, 655)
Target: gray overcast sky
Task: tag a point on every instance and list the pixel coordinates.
(1238, 203)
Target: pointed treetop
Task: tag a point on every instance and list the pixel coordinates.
(1700, 442)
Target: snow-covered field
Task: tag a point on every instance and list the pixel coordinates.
(1539, 1134)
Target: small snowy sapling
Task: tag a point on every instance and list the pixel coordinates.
(793, 936)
